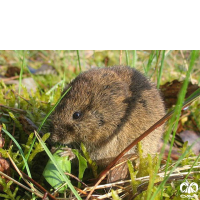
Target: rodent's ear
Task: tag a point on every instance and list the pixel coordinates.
(116, 88)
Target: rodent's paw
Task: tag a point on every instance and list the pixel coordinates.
(67, 152)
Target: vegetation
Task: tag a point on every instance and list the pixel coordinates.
(24, 126)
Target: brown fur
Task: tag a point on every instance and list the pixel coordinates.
(117, 104)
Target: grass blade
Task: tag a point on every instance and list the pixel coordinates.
(21, 73)
(168, 175)
(79, 62)
(175, 118)
(20, 150)
(161, 69)
(20, 78)
(134, 58)
(127, 58)
(57, 167)
(39, 128)
(150, 61)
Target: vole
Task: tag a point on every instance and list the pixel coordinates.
(106, 109)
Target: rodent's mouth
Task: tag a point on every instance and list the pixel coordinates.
(58, 140)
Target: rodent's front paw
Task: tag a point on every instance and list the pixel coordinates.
(67, 152)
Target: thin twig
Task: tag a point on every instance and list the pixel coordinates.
(16, 182)
(18, 95)
(38, 185)
(26, 177)
(10, 78)
(20, 174)
(71, 175)
(13, 109)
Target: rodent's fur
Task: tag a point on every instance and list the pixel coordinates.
(117, 105)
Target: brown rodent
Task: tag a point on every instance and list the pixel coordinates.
(106, 109)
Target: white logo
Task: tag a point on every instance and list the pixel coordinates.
(188, 188)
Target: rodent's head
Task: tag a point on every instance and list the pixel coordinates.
(92, 109)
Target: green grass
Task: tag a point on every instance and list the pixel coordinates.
(173, 124)
(159, 66)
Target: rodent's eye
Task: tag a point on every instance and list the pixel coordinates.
(77, 115)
